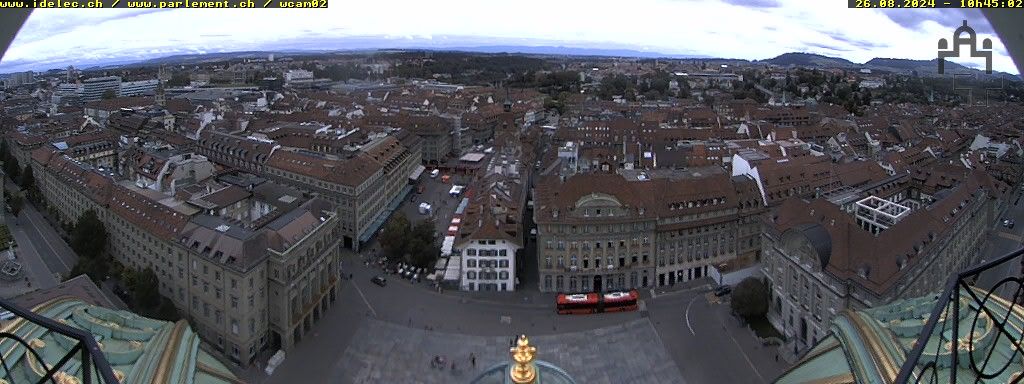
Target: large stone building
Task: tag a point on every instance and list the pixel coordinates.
(365, 186)
(599, 232)
(251, 263)
(491, 231)
(895, 239)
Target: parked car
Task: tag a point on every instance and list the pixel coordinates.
(412, 197)
(723, 290)
(6, 315)
(379, 280)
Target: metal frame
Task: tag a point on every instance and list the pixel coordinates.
(90, 355)
(914, 369)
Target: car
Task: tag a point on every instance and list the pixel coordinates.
(412, 198)
(6, 315)
(723, 290)
(379, 280)
(1008, 223)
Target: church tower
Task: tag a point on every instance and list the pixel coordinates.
(159, 99)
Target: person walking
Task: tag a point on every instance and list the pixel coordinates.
(472, 360)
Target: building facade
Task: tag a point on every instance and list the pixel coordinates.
(898, 240)
(94, 88)
(600, 232)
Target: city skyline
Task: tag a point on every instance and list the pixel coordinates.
(740, 29)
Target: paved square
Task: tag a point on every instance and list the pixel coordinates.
(383, 352)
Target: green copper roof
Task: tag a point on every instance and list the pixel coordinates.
(871, 346)
(139, 349)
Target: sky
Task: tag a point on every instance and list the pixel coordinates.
(742, 29)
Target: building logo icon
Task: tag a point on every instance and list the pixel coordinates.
(971, 41)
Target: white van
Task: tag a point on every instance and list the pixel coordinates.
(435, 173)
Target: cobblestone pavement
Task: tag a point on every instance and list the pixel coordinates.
(383, 352)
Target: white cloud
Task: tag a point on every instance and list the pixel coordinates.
(709, 28)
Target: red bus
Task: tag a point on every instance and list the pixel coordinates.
(585, 303)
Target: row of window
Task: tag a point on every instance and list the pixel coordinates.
(486, 252)
(472, 263)
(485, 275)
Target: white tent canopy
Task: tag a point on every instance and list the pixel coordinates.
(452, 273)
(446, 246)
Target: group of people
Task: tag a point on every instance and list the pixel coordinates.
(440, 362)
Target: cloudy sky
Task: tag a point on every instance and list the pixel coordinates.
(746, 29)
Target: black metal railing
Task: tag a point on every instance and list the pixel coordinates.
(92, 366)
(936, 356)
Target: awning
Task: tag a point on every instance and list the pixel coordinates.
(452, 272)
(462, 206)
(446, 247)
(416, 173)
(383, 217)
(441, 264)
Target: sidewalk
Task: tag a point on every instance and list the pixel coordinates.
(522, 299)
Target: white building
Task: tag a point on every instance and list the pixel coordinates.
(488, 260)
(19, 79)
(93, 88)
(139, 88)
(297, 74)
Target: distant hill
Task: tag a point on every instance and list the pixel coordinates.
(569, 51)
(371, 45)
(900, 66)
(811, 60)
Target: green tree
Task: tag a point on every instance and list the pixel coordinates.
(394, 238)
(109, 94)
(179, 79)
(750, 298)
(28, 180)
(12, 168)
(16, 202)
(145, 291)
(88, 240)
(89, 237)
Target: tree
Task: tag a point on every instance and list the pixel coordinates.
(109, 94)
(12, 168)
(89, 240)
(28, 180)
(750, 298)
(394, 237)
(179, 79)
(145, 291)
(422, 247)
(89, 237)
(421, 254)
(16, 202)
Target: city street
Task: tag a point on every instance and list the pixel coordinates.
(29, 256)
(1001, 241)
(371, 325)
(53, 251)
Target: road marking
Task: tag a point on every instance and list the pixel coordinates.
(688, 315)
(47, 241)
(360, 291)
(744, 353)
